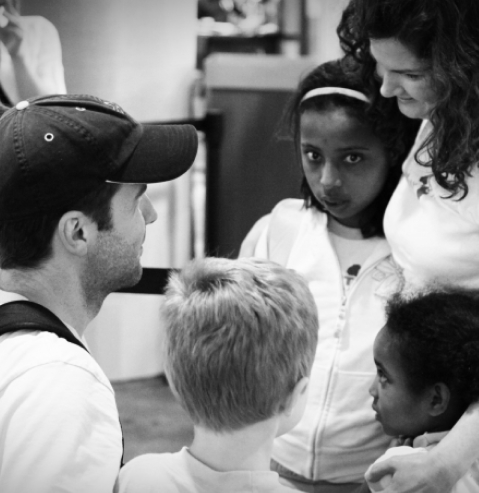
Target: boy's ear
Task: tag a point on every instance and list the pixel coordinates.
(439, 400)
(299, 389)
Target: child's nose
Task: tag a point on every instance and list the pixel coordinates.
(330, 176)
(372, 389)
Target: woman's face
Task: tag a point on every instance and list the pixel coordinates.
(404, 76)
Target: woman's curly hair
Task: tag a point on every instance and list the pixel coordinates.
(445, 34)
(436, 335)
(396, 132)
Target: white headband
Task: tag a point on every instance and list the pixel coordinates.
(321, 91)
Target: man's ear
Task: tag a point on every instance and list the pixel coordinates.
(439, 399)
(299, 389)
(74, 231)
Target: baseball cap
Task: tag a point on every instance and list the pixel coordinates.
(56, 149)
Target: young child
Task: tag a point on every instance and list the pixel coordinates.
(351, 151)
(241, 336)
(427, 359)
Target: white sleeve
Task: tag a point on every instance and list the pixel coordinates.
(59, 432)
(255, 242)
(49, 65)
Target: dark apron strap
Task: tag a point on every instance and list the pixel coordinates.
(26, 315)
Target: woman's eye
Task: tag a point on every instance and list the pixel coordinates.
(353, 158)
(413, 76)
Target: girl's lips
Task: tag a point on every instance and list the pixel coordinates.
(333, 202)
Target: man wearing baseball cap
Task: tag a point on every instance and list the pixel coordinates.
(73, 214)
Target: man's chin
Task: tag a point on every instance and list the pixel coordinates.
(131, 281)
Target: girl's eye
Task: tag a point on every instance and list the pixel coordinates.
(381, 377)
(313, 155)
(353, 158)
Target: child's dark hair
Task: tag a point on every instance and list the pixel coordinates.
(437, 337)
(395, 131)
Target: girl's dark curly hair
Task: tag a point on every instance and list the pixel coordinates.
(445, 34)
(436, 335)
(396, 132)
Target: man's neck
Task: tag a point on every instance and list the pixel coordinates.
(248, 449)
(60, 292)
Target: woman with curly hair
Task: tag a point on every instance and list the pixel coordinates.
(425, 53)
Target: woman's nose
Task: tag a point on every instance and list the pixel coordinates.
(389, 85)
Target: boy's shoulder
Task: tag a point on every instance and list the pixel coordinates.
(181, 472)
(149, 472)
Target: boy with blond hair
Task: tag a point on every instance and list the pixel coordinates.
(241, 337)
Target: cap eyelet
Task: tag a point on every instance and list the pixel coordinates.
(49, 137)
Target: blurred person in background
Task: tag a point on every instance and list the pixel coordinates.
(30, 56)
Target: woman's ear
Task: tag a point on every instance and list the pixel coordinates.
(439, 400)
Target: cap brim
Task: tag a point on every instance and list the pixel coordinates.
(163, 153)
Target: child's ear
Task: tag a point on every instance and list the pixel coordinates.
(440, 397)
(299, 389)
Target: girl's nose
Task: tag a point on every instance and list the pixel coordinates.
(330, 177)
(373, 388)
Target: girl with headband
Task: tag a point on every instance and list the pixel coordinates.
(350, 157)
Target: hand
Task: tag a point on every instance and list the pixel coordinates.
(401, 441)
(417, 473)
(11, 34)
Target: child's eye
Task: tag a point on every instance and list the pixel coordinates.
(353, 158)
(313, 155)
(381, 377)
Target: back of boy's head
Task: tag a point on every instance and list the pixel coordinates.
(381, 115)
(240, 335)
(437, 337)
